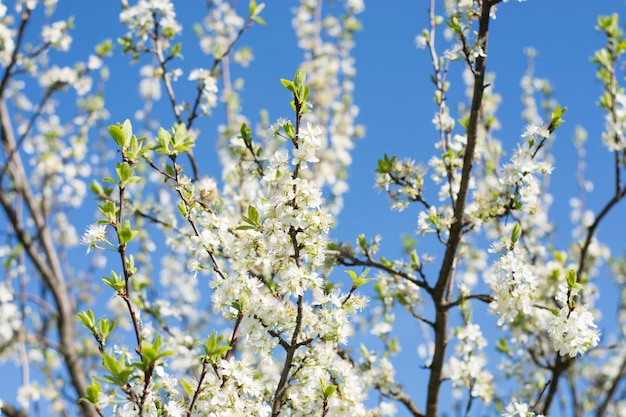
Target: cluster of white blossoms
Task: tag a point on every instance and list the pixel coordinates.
(57, 77)
(520, 175)
(512, 281)
(515, 284)
(7, 42)
(328, 42)
(515, 187)
(518, 409)
(222, 24)
(572, 330)
(150, 84)
(309, 143)
(435, 220)
(271, 282)
(294, 223)
(142, 17)
(615, 126)
(446, 169)
(10, 321)
(403, 182)
(467, 368)
(57, 35)
(209, 89)
(60, 164)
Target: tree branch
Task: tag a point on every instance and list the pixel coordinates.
(50, 267)
(441, 293)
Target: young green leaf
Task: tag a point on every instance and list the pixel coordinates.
(516, 233)
(327, 390)
(572, 278)
(88, 319)
(117, 134)
(361, 279)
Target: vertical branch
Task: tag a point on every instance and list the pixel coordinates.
(439, 79)
(291, 351)
(300, 107)
(47, 263)
(126, 296)
(441, 290)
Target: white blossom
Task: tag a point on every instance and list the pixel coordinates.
(95, 234)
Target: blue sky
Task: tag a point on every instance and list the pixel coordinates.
(394, 93)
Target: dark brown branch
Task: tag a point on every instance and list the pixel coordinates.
(9, 411)
(405, 400)
(126, 295)
(347, 259)
(196, 393)
(18, 44)
(281, 388)
(592, 229)
(441, 291)
(486, 298)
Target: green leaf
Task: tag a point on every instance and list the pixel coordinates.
(385, 165)
(244, 227)
(572, 278)
(187, 387)
(88, 319)
(164, 140)
(327, 390)
(516, 233)
(127, 128)
(300, 77)
(289, 129)
(104, 48)
(105, 327)
(252, 219)
(117, 134)
(183, 141)
(253, 214)
(242, 303)
(93, 393)
(182, 209)
(116, 282)
(124, 171)
(361, 279)
(394, 345)
(108, 210)
(259, 8)
(214, 349)
(288, 85)
(96, 188)
(360, 240)
(119, 370)
(609, 25)
(503, 346)
(557, 117)
(127, 233)
(245, 133)
(415, 259)
(259, 20)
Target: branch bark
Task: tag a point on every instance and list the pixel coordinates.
(441, 291)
